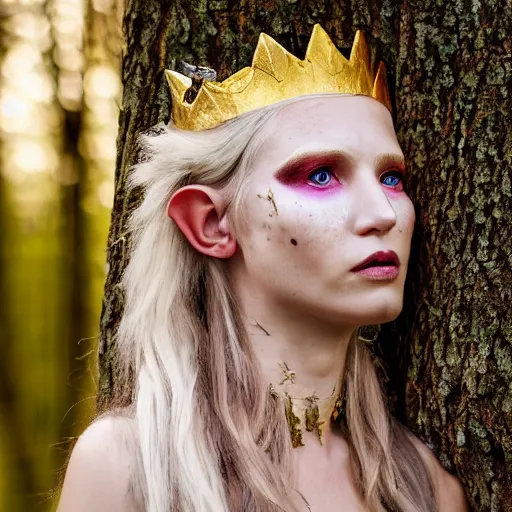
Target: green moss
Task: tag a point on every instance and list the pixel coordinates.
(313, 423)
(293, 423)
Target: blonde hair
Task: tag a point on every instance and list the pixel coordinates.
(210, 437)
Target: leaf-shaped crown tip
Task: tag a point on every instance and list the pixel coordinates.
(360, 51)
(270, 57)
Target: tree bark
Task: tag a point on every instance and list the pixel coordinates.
(448, 358)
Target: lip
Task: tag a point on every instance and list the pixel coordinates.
(379, 273)
(390, 261)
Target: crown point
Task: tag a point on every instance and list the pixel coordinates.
(360, 53)
(322, 51)
(380, 87)
(270, 57)
(318, 31)
(178, 84)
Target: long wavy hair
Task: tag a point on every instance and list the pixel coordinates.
(209, 435)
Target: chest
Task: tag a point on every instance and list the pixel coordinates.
(329, 498)
(328, 489)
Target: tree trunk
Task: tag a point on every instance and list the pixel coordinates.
(448, 357)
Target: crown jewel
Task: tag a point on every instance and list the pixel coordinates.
(277, 75)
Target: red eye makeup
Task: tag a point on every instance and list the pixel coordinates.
(319, 172)
(315, 172)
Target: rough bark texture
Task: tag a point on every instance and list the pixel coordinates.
(455, 74)
(449, 356)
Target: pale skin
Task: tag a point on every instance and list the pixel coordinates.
(290, 265)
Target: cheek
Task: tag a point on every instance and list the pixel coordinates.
(289, 227)
(312, 233)
(406, 216)
(409, 215)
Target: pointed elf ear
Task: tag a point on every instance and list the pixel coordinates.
(199, 212)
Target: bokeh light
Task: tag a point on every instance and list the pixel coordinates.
(60, 91)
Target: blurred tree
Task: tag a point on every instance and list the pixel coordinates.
(449, 356)
(33, 327)
(58, 116)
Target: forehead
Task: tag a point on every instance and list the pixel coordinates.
(357, 125)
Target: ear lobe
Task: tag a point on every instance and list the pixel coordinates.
(198, 211)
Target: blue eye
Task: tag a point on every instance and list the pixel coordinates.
(321, 176)
(394, 180)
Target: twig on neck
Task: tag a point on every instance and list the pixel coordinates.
(305, 500)
(262, 328)
(288, 374)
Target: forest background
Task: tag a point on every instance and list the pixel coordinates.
(447, 361)
(60, 95)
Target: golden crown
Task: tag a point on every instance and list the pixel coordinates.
(277, 75)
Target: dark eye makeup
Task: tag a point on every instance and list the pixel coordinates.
(316, 169)
(320, 170)
(322, 176)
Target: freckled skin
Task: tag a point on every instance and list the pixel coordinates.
(356, 214)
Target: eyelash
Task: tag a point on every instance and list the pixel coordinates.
(395, 173)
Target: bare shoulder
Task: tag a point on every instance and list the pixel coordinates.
(450, 495)
(98, 473)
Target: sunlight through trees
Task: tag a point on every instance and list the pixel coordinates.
(59, 101)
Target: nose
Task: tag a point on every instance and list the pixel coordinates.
(373, 211)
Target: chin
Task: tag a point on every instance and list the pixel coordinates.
(373, 310)
(383, 312)
(383, 318)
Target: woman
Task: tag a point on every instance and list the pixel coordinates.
(290, 229)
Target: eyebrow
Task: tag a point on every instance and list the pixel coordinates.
(389, 159)
(336, 155)
(324, 157)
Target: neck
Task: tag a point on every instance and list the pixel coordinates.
(302, 361)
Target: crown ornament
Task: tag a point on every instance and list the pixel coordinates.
(277, 75)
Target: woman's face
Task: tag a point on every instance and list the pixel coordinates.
(324, 192)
